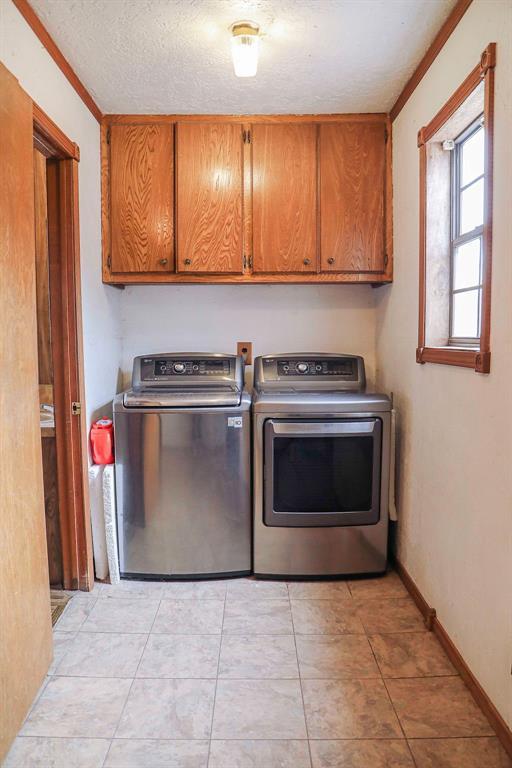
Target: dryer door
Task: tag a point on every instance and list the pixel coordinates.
(322, 473)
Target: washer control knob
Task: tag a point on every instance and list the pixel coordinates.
(302, 367)
(179, 367)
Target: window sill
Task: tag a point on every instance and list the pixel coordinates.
(460, 356)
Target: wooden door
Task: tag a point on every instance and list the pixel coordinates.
(284, 202)
(209, 188)
(352, 185)
(142, 198)
(25, 621)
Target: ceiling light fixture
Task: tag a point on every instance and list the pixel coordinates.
(245, 47)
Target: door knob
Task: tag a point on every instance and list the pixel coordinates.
(188, 262)
(163, 262)
(307, 261)
(330, 260)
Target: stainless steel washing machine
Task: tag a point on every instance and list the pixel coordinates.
(183, 477)
(320, 467)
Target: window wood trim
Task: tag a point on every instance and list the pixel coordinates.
(479, 358)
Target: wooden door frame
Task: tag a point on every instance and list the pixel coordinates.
(67, 352)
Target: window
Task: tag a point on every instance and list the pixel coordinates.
(467, 199)
(456, 225)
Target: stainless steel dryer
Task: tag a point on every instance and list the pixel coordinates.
(320, 467)
(183, 480)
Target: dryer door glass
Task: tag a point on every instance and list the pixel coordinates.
(322, 473)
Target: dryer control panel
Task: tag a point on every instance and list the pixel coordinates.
(311, 371)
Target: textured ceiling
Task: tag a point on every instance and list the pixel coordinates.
(173, 56)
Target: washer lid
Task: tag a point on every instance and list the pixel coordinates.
(198, 397)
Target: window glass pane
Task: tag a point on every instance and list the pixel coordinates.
(472, 164)
(465, 314)
(466, 265)
(472, 207)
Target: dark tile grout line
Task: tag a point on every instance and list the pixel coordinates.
(300, 680)
(216, 683)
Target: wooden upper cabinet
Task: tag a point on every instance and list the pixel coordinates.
(352, 189)
(141, 198)
(209, 191)
(284, 205)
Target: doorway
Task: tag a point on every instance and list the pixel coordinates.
(60, 359)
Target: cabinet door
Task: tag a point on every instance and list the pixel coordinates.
(141, 198)
(352, 183)
(209, 197)
(284, 197)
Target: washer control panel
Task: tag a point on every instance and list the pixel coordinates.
(158, 367)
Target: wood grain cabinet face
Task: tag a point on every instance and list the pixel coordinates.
(352, 188)
(284, 205)
(209, 192)
(142, 198)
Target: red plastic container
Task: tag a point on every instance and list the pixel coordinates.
(102, 441)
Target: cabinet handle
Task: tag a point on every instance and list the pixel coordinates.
(307, 261)
(330, 260)
(163, 262)
(188, 262)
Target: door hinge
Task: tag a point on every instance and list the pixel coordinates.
(76, 408)
(108, 135)
(386, 135)
(247, 262)
(386, 259)
(109, 262)
(246, 135)
(250, 262)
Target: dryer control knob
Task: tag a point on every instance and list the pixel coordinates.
(302, 367)
(179, 367)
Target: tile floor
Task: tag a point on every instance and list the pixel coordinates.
(251, 674)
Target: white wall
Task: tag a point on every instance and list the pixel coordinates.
(276, 318)
(455, 486)
(26, 58)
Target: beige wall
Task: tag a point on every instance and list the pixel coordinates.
(455, 442)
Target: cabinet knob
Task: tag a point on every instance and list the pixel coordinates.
(188, 262)
(163, 262)
(307, 261)
(330, 260)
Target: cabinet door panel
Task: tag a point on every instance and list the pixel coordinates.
(284, 197)
(142, 198)
(209, 197)
(352, 183)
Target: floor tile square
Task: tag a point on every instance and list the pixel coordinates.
(180, 656)
(168, 709)
(258, 709)
(378, 587)
(44, 752)
(258, 657)
(410, 654)
(75, 613)
(189, 617)
(325, 617)
(78, 706)
(319, 590)
(259, 754)
(361, 753)
(349, 709)
(157, 753)
(459, 753)
(437, 707)
(258, 617)
(335, 656)
(132, 589)
(121, 615)
(194, 590)
(106, 654)
(61, 642)
(381, 616)
(247, 589)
